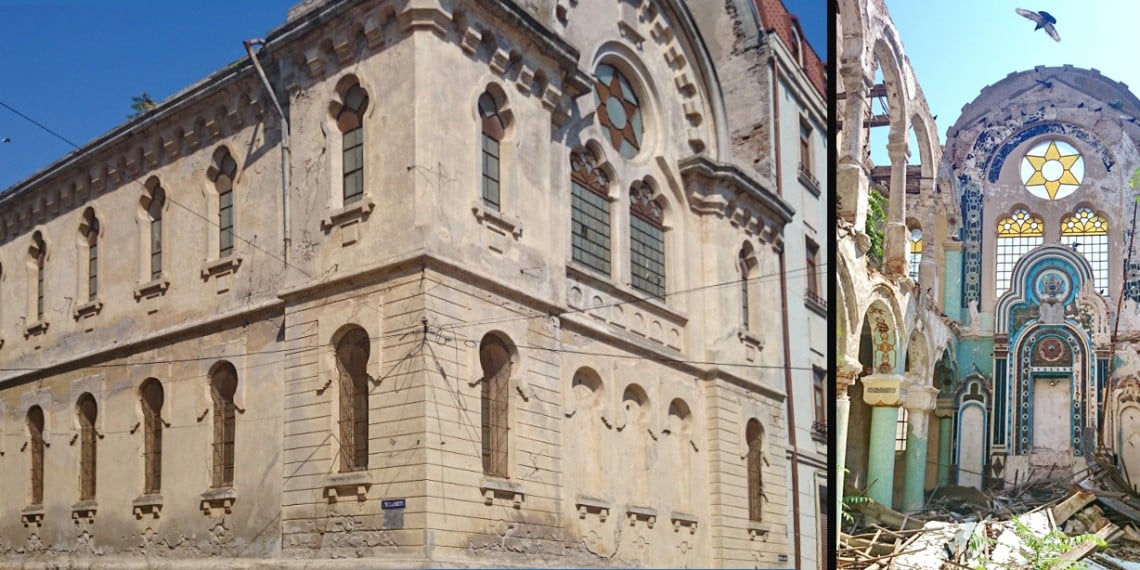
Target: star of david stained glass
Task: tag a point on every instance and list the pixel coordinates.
(619, 110)
(1052, 169)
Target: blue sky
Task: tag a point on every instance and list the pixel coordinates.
(813, 19)
(958, 47)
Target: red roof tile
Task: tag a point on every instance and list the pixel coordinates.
(774, 17)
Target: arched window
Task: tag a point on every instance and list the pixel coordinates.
(87, 411)
(742, 266)
(152, 397)
(1016, 235)
(754, 436)
(352, 353)
(154, 212)
(635, 436)
(223, 385)
(350, 121)
(619, 111)
(680, 429)
(494, 127)
(36, 435)
(90, 234)
(646, 241)
(1087, 232)
(225, 171)
(914, 256)
(495, 360)
(589, 211)
(38, 254)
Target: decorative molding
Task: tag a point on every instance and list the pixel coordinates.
(153, 288)
(586, 505)
(725, 190)
(88, 309)
(84, 510)
(32, 515)
(36, 328)
(635, 513)
(219, 498)
(494, 487)
(147, 504)
(504, 222)
(358, 210)
(684, 519)
(228, 264)
(356, 482)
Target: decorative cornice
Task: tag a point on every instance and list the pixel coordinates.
(725, 190)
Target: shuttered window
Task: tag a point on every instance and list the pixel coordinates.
(223, 386)
(352, 354)
(36, 434)
(495, 359)
(87, 415)
(152, 399)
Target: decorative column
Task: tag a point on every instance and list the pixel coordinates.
(945, 414)
(895, 235)
(885, 393)
(845, 373)
(919, 403)
(851, 176)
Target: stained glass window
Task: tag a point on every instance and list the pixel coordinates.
(1052, 169)
(647, 241)
(1016, 235)
(589, 212)
(619, 110)
(914, 255)
(1087, 232)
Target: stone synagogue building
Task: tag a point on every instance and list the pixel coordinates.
(434, 282)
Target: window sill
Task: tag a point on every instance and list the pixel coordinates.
(750, 338)
(358, 482)
(32, 515)
(36, 328)
(810, 182)
(88, 309)
(646, 514)
(230, 263)
(358, 210)
(153, 288)
(219, 498)
(815, 303)
(586, 505)
(147, 504)
(757, 530)
(84, 510)
(684, 519)
(819, 432)
(504, 222)
(496, 487)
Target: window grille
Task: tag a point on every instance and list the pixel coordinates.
(1017, 234)
(36, 433)
(495, 360)
(223, 387)
(352, 364)
(87, 415)
(754, 435)
(152, 400)
(1087, 233)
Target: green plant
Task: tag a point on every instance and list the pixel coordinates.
(876, 224)
(1044, 552)
(141, 104)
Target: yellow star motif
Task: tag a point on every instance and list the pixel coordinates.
(1052, 154)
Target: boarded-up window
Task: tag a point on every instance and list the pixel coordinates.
(754, 435)
(350, 121)
(495, 359)
(36, 434)
(222, 387)
(152, 398)
(352, 363)
(87, 413)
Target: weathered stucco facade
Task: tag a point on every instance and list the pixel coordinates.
(402, 297)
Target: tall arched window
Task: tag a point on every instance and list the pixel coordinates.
(742, 266)
(225, 171)
(1087, 232)
(38, 254)
(646, 241)
(223, 385)
(36, 435)
(495, 360)
(680, 430)
(87, 411)
(1016, 235)
(154, 212)
(90, 233)
(350, 121)
(914, 256)
(152, 397)
(352, 354)
(635, 437)
(494, 127)
(589, 211)
(754, 436)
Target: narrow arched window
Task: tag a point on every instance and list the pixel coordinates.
(914, 257)
(1016, 235)
(742, 266)
(152, 397)
(87, 411)
(38, 253)
(350, 121)
(493, 129)
(495, 360)
(647, 241)
(589, 211)
(223, 385)
(90, 229)
(352, 354)
(754, 436)
(226, 172)
(154, 212)
(36, 435)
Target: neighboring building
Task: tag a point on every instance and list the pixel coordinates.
(1023, 321)
(483, 304)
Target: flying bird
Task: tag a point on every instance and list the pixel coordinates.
(1043, 20)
